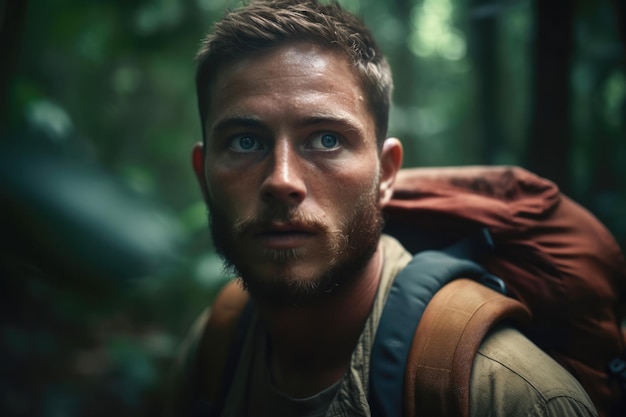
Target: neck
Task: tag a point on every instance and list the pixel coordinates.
(311, 345)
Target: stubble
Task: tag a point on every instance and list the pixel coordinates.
(347, 248)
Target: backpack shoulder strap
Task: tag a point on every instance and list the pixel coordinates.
(206, 355)
(410, 293)
(220, 330)
(449, 334)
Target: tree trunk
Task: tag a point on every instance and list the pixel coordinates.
(12, 17)
(550, 142)
(483, 50)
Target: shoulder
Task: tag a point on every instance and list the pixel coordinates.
(512, 377)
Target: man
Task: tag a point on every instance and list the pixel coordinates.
(295, 167)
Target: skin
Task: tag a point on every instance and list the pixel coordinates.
(295, 180)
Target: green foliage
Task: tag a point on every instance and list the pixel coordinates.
(111, 83)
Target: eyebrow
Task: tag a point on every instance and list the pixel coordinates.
(254, 122)
(236, 121)
(332, 119)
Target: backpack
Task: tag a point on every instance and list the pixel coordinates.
(554, 258)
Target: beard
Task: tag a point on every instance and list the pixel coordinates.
(347, 248)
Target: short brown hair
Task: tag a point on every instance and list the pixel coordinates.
(266, 24)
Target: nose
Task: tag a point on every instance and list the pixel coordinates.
(284, 181)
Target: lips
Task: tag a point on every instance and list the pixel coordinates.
(284, 236)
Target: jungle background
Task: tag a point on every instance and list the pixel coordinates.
(105, 255)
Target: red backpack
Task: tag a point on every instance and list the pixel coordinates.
(555, 257)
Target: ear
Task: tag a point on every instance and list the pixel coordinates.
(390, 163)
(197, 159)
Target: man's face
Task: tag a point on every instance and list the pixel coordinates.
(292, 171)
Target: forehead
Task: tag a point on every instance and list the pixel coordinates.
(298, 72)
(303, 57)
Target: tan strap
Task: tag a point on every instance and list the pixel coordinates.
(449, 334)
(216, 339)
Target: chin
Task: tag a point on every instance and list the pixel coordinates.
(302, 281)
(285, 256)
(286, 280)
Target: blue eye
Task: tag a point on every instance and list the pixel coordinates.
(325, 141)
(329, 141)
(245, 143)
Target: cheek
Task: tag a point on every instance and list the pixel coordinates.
(221, 195)
(231, 192)
(221, 180)
(354, 182)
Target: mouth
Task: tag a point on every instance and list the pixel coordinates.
(284, 236)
